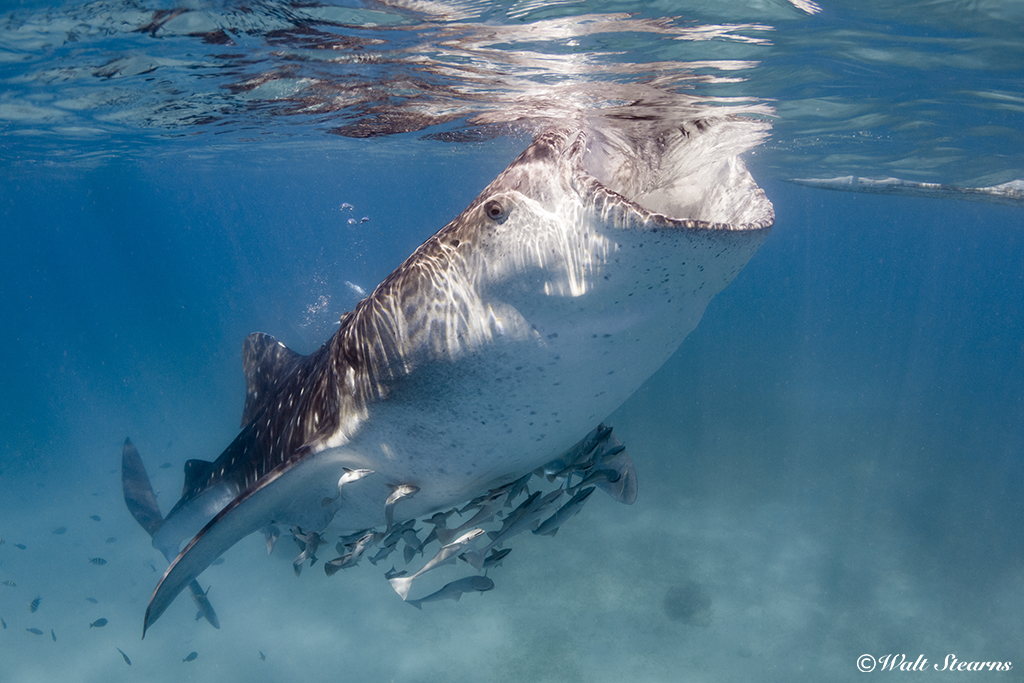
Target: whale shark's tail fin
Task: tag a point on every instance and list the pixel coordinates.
(138, 492)
(141, 502)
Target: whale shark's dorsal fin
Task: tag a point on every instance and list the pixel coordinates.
(265, 362)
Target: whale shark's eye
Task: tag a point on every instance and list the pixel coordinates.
(495, 211)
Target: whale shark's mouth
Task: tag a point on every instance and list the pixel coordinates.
(690, 175)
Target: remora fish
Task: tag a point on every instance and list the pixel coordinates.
(309, 542)
(446, 554)
(271, 534)
(400, 493)
(348, 477)
(455, 589)
(501, 340)
(551, 525)
(488, 506)
(526, 516)
(350, 558)
(495, 558)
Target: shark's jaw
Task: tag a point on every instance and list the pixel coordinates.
(500, 341)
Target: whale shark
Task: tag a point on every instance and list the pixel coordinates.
(499, 343)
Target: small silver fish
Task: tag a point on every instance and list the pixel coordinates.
(351, 558)
(53, 635)
(35, 631)
(364, 219)
(580, 457)
(93, 601)
(21, 546)
(526, 516)
(34, 605)
(191, 657)
(440, 522)
(99, 623)
(610, 454)
(263, 657)
(10, 583)
(487, 505)
(455, 589)
(346, 205)
(94, 518)
(310, 542)
(203, 604)
(352, 221)
(594, 478)
(112, 539)
(398, 494)
(515, 488)
(440, 519)
(271, 533)
(383, 553)
(59, 530)
(99, 561)
(166, 466)
(350, 475)
(551, 525)
(4, 623)
(446, 554)
(495, 558)
(396, 532)
(126, 660)
(413, 546)
(394, 573)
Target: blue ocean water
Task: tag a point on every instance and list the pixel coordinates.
(829, 466)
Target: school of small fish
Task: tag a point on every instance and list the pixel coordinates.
(599, 461)
(35, 604)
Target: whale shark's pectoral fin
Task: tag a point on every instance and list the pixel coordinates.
(277, 494)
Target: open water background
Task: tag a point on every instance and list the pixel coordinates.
(831, 465)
